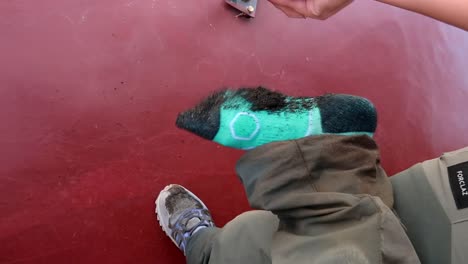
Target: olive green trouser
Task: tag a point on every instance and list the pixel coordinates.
(423, 200)
(245, 239)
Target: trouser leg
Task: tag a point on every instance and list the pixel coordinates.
(245, 239)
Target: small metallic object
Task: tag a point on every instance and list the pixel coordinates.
(247, 7)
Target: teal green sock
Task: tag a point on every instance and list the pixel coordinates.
(247, 118)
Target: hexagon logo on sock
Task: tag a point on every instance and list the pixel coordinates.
(244, 126)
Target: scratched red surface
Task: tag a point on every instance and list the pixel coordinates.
(89, 92)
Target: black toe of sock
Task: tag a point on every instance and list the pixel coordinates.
(203, 119)
(346, 113)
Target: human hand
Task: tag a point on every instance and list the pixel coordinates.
(318, 9)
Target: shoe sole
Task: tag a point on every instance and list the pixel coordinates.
(158, 210)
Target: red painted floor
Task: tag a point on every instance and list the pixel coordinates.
(90, 90)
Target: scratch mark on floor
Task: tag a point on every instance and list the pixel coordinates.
(56, 233)
(201, 62)
(68, 19)
(260, 67)
(84, 16)
(262, 70)
(162, 45)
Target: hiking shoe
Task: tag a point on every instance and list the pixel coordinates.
(181, 214)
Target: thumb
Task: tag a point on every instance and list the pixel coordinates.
(288, 11)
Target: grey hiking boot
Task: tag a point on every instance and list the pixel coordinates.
(181, 214)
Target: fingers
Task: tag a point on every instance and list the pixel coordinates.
(289, 11)
(318, 9)
(323, 9)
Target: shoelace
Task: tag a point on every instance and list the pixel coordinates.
(181, 233)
